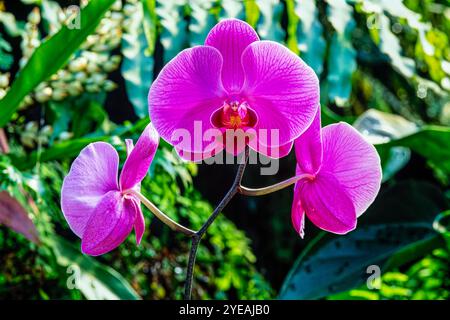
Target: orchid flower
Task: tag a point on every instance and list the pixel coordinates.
(233, 83)
(99, 208)
(340, 177)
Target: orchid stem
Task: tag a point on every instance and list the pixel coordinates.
(273, 188)
(196, 238)
(160, 215)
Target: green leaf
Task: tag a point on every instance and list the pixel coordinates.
(342, 56)
(396, 225)
(202, 20)
(62, 150)
(173, 36)
(150, 23)
(137, 65)
(50, 56)
(310, 35)
(431, 142)
(390, 45)
(95, 280)
(232, 9)
(387, 131)
(269, 26)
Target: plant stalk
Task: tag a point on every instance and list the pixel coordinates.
(160, 215)
(196, 238)
(273, 188)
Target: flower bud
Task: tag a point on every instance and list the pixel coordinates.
(59, 94)
(43, 95)
(78, 64)
(34, 17)
(4, 80)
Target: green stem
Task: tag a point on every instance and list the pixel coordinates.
(273, 188)
(159, 214)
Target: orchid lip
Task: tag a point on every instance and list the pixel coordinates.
(234, 114)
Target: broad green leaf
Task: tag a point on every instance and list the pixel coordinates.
(150, 24)
(310, 35)
(397, 224)
(173, 35)
(95, 280)
(252, 13)
(50, 56)
(269, 24)
(71, 148)
(381, 127)
(232, 9)
(342, 56)
(292, 24)
(397, 8)
(137, 65)
(392, 133)
(202, 20)
(62, 150)
(390, 45)
(431, 142)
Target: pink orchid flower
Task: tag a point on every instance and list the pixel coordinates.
(234, 82)
(95, 204)
(342, 177)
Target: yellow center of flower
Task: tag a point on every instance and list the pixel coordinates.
(235, 115)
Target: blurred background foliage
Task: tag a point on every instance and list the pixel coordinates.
(384, 66)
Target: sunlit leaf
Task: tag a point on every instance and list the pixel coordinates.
(95, 280)
(310, 35)
(137, 65)
(269, 24)
(202, 20)
(398, 224)
(173, 35)
(342, 55)
(50, 56)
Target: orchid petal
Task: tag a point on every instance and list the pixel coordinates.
(184, 96)
(92, 175)
(327, 204)
(109, 225)
(281, 88)
(308, 147)
(139, 224)
(231, 37)
(297, 212)
(140, 158)
(354, 162)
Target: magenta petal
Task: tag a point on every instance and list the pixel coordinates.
(92, 175)
(184, 96)
(231, 37)
(281, 88)
(139, 159)
(327, 204)
(308, 147)
(110, 224)
(354, 162)
(297, 212)
(139, 224)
